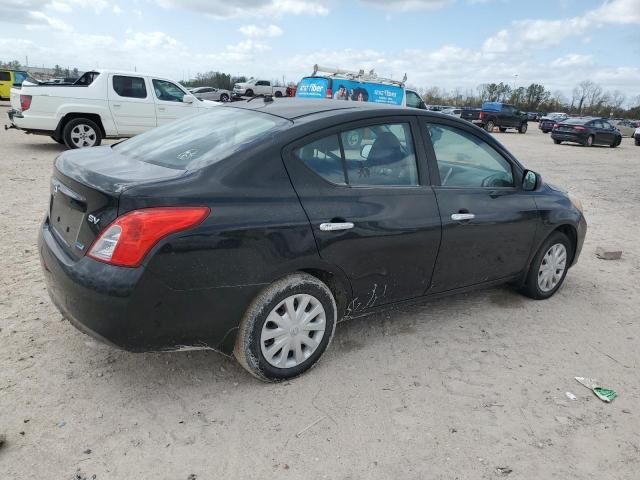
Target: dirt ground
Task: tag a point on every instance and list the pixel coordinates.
(468, 387)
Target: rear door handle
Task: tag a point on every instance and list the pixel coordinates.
(162, 109)
(458, 217)
(334, 227)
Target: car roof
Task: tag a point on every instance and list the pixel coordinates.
(293, 108)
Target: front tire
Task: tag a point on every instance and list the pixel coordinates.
(287, 328)
(556, 141)
(589, 141)
(549, 267)
(637, 142)
(81, 133)
(224, 98)
(523, 128)
(248, 93)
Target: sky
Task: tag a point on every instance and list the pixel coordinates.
(445, 43)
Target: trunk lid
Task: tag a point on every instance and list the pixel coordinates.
(85, 189)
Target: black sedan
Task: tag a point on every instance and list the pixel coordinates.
(546, 123)
(253, 228)
(587, 131)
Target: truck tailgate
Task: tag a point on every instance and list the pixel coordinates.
(15, 98)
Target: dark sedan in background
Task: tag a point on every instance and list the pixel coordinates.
(587, 131)
(254, 227)
(546, 123)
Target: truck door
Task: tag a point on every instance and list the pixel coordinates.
(263, 87)
(130, 104)
(170, 104)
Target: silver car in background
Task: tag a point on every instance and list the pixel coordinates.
(211, 93)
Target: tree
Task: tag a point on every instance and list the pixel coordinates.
(57, 71)
(75, 73)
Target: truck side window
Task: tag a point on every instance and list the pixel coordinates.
(131, 87)
(167, 91)
(413, 100)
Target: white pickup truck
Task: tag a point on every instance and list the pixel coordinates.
(100, 104)
(254, 87)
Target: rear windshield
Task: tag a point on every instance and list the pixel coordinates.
(200, 140)
(576, 121)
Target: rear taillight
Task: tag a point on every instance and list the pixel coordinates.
(481, 117)
(329, 93)
(129, 238)
(555, 125)
(25, 102)
(579, 128)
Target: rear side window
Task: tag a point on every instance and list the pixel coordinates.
(131, 87)
(5, 76)
(376, 155)
(200, 140)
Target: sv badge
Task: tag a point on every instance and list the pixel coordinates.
(93, 219)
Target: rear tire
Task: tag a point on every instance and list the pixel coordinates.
(523, 128)
(81, 133)
(278, 94)
(589, 141)
(269, 345)
(637, 142)
(544, 266)
(490, 126)
(556, 141)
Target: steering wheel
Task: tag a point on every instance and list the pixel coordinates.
(496, 180)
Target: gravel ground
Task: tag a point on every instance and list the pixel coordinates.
(469, 387)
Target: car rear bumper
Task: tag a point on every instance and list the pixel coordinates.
(569, 137)
(132, 309)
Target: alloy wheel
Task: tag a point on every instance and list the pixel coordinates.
(552, 267)
(83, 136)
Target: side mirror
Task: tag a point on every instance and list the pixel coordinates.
(365, 150)
(531, 181)
(187, 99)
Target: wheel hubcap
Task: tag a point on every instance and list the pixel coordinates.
(552, 267)
(293, 331)
(83, 136)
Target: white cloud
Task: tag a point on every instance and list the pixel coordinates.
(116, 9)
(573, 60)
(252, 31)
(40, 20)
(408, 5)
(249, 8)
(140, 40)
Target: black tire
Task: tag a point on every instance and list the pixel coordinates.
(81, 124)
(523, 128)
(248, 93)
(224, 98)
(57, 140)
(637, 142)
(248, 349)
(502, 129)
(278, 94)
(588, 142)
(531, 288)
(556, 141)
(489, 126)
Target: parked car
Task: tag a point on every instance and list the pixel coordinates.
(254, 86)
(547, 122)
(532, 116)
(503, 116)
(626, 127)
(10, 79)
(330, 83)
(455, 112)
(471, 115)
(101, 104)
(211, 93)
(251, 230)
(587, 131)
(636, 137)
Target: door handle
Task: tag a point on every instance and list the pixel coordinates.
(116, 105)
(458, 217)
(334, 227)
(162, 109)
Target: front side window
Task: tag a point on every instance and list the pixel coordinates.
(130, 87)
(167, 91)
(262, 83)
(375, 155)
(465, 160)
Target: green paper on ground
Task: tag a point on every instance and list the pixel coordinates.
(604, 394)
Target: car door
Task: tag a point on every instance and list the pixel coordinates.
(488, 221)
(601, 135)
(131, 104)
(263, 87)
(372, 210)
(170, 104)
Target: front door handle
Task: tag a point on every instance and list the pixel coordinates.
(334, 227)
(162, 109)
(458, 217)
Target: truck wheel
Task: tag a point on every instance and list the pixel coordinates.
(489, 126)
(248, 93)
(523, 128)
(278, 94)
(224, 98)
(287, 328)
(81, 133)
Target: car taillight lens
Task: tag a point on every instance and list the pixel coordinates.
(25, 102)
(329, 93)
(481, 117)
(555, 125)
(129, 238)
